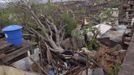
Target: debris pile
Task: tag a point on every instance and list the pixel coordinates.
(87, 49)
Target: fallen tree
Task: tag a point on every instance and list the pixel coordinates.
(53, 56)
(49, 28)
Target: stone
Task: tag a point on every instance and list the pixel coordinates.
(115, 12)
(132, 22)
(5, 70)
(117, 34)
(25, 63)
(103, 28)
(89, 72)
(98, 71)
(128, 63)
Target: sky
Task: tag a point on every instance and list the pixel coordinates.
(4, 1)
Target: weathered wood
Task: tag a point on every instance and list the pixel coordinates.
(3, 45)
(15, 52)
(128, 64)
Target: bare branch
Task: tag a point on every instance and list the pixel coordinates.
(37, 33)
(62, 37)
(39, 66)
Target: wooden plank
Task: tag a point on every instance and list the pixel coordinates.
(10, 56)
(3, 45)
(128, 64)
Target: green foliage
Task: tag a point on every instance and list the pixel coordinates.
(70, 22)
(8, 17)
(4, 17)
(115, 70)
(82, 11)
(105, 15)
(16, 15)
(59, 15)
(77, 33)
(94, 44)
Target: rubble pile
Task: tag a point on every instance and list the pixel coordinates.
(56, 53)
